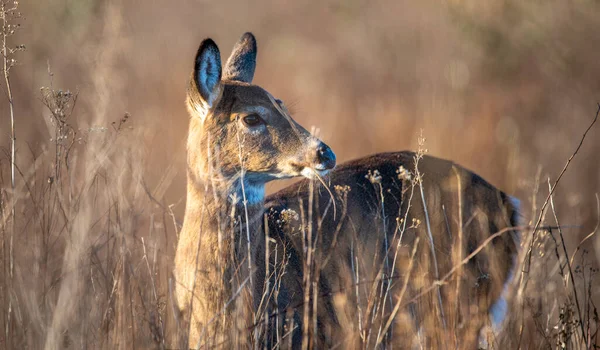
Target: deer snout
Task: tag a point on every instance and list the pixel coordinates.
(325, 158)
(318, 160)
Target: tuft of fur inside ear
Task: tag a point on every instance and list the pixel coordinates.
(207, 71)
(242, 62)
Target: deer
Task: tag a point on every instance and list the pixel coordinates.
(392, 249)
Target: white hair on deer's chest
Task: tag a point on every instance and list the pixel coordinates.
(254, 194)
(251, 193)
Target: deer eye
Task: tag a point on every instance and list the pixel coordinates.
(252, 120)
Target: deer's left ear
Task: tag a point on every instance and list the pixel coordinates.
(242, 62)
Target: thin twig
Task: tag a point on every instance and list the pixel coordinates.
(527, 257)
(7, 64)
(562, 241)
(404, 286)
(456, 267)
(168, 209)
(593, 231)
(539, 220)
(419, 179)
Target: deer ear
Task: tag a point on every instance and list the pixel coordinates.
(242, 62)
(207, 71)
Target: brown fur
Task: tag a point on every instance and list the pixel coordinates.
(359, 230)
(336, 249)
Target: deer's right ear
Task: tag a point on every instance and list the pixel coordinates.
(207, 71)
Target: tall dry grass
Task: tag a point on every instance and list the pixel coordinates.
(505, 88)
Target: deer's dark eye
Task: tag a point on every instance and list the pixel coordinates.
(252, 120)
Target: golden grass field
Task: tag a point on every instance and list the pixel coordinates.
(505, 88)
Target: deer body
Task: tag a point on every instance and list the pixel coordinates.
(373, 236)
(348, 261)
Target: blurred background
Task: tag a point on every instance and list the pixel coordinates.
(505, 88)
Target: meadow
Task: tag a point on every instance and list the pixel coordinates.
(96, 90)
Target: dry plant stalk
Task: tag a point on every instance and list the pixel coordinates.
(9, 16)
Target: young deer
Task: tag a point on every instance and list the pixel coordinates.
(407, 249)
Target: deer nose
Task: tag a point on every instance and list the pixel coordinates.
(325, 157)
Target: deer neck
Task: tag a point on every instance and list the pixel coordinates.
(213, 247)
(222, 212)
(213, 206)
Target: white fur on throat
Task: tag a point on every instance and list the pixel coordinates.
(253, 194)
